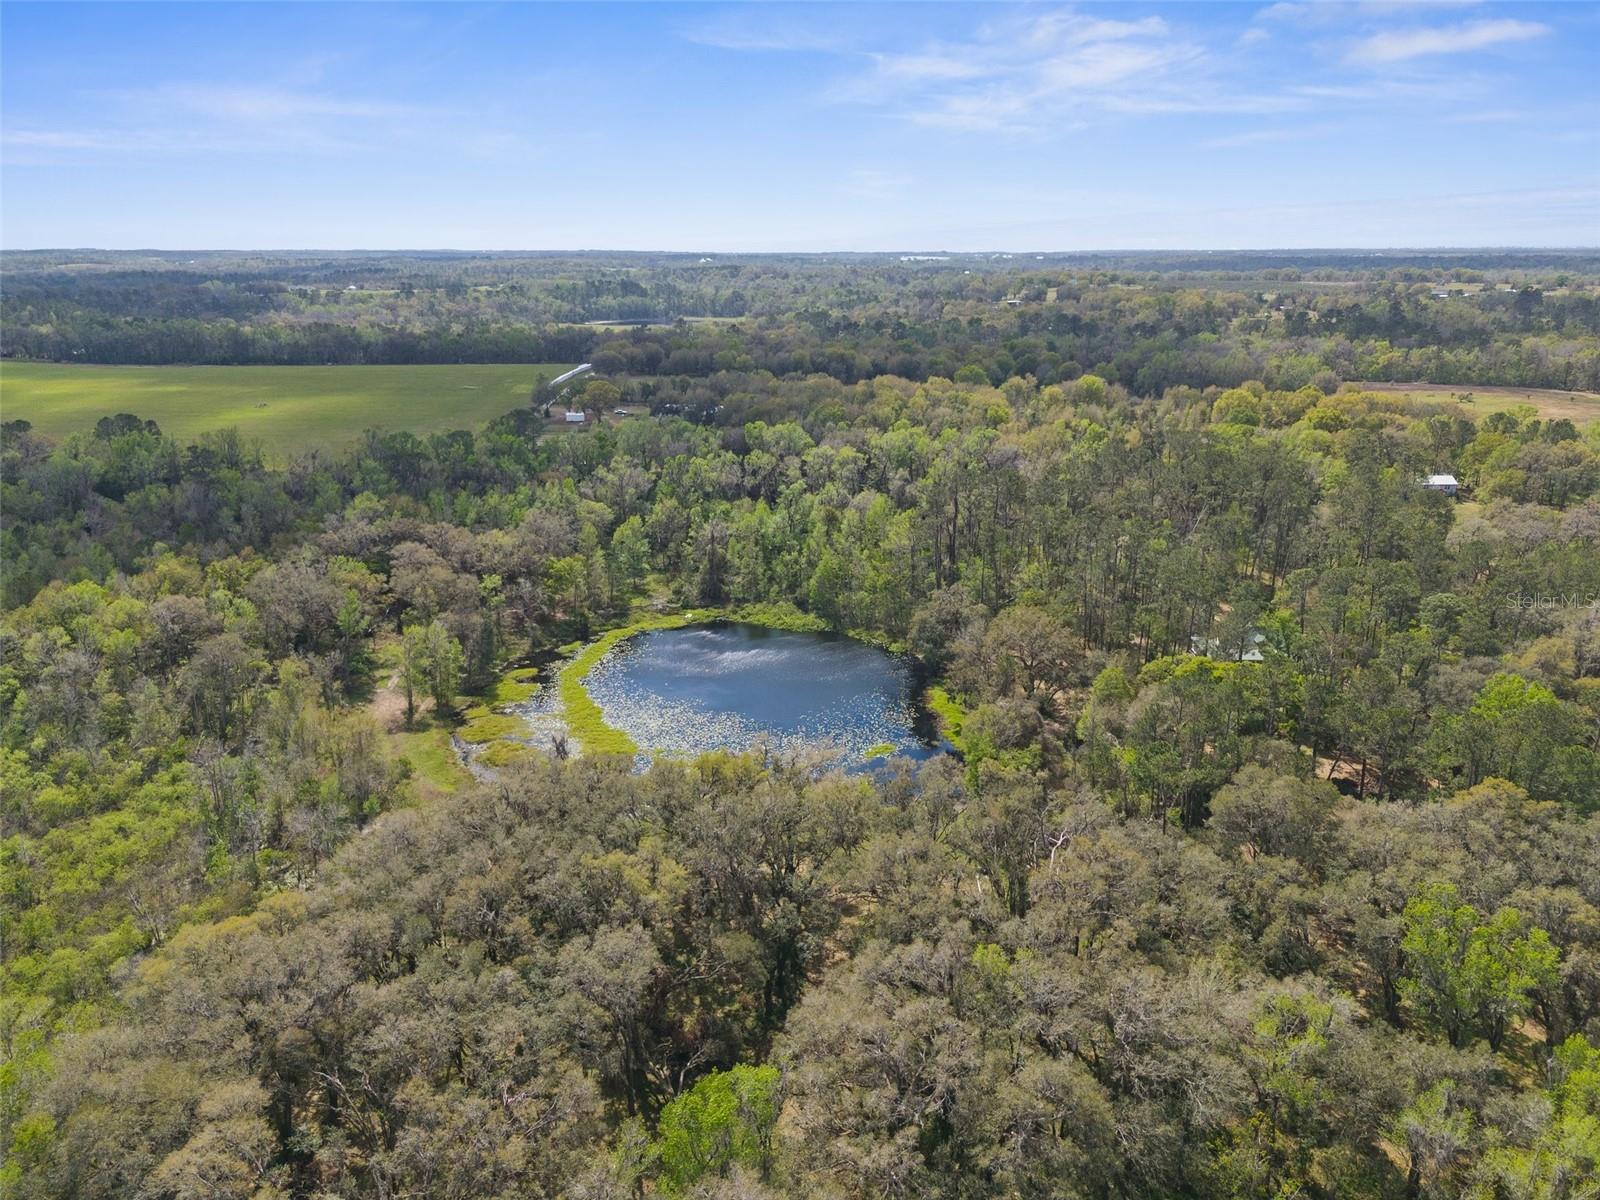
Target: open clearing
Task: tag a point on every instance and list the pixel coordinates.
(1577, 407)
(288, 408)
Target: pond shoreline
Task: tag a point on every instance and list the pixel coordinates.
(564, 696)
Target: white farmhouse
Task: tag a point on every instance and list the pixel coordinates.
(1249, 652)
(1448, 484)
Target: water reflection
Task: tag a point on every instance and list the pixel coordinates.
(728, 686)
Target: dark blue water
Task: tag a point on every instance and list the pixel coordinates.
(728, 686)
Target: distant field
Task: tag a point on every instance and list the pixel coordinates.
(1577, 407)
(287, 408)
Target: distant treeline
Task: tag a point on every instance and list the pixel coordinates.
(1515, 323)
(176, 341)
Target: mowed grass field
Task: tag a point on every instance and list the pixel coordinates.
(1578, 407)
(288, 409)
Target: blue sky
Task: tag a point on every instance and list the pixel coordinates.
(805, 127)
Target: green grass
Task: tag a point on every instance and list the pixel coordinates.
(950, 711)
(515, 686)
(485, 726)
(503, 754)
(432, 757)
(881, 750)
(288, 409)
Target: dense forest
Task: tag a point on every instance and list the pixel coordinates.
(1147, 322)
(1268, 865)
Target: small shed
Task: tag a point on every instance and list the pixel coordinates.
(576, 416)
(1448, 484)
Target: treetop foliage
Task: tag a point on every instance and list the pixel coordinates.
(1266, 868)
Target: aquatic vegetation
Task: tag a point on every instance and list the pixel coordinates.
(505, 752)
(951, 713)
(586, 720)
(515, 686)
(485, 726)
(583, 716)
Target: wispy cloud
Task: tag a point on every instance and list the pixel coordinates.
(930, 67)
(1333, 12)
(211, 118)
(1048, 71)
(1400, 45)
(1579, 136)
(1489, 116)
(1390, 90)
(1303, 12)
(36, 142)
(63, 139)
(761, 28)
(1252, 137)
(1022, 73)
(267, 104)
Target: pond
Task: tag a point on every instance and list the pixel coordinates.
(728, 686)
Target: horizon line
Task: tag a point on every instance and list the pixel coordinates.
(1507, 247)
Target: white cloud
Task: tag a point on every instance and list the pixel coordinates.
(63, 139)
(53, 142)
(1039, 71)
(926, 66)
(253, 105)
(1102, 65)
(1387, 90)
(179, 118)
(273, 104)
(767, 29)
(1331, 12)
(1491, 116)
(1399, 45)
(1253, 137)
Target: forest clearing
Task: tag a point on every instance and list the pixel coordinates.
(289, 409)
(1552, 404)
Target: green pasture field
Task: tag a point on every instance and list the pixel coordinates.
(1578, 407)
(289, 409)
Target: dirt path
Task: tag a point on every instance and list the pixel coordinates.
(388, 706)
